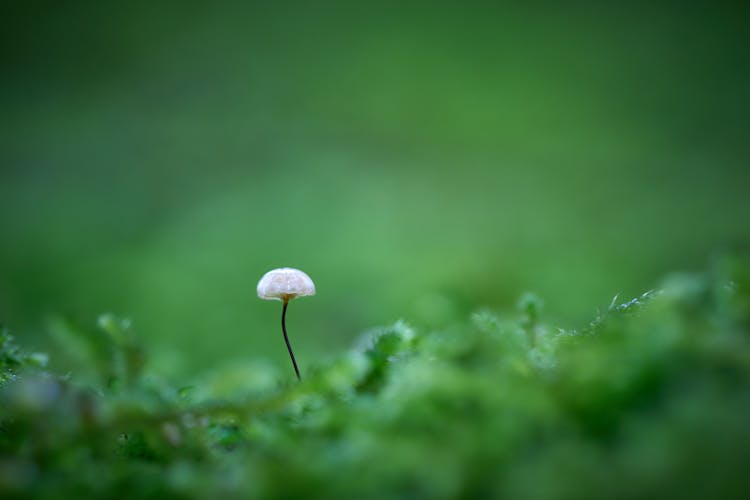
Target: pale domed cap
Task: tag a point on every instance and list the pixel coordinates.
(285, 284)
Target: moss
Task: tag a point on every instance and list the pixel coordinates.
(651, 399)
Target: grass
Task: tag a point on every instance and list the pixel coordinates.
(649, 400)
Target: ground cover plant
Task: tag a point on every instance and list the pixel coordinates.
(649, 400)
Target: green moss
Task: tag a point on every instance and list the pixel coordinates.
(649, 400)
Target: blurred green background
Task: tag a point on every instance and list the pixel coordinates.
(417, 160)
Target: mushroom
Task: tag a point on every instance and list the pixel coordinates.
(285, 284)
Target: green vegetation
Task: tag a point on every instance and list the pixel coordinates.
(649, 400)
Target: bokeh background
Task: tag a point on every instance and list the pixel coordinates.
(418, 160)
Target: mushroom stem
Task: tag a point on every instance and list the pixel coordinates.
(286, 339)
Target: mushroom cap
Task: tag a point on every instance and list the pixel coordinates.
(285, 284)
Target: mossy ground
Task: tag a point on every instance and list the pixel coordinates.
(650, 400)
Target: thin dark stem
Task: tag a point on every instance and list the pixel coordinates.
(286, 339)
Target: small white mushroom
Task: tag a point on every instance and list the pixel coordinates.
(285, 284)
